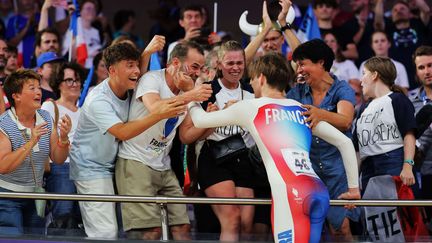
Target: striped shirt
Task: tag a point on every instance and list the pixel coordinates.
(21, 179)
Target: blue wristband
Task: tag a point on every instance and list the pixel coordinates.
(409, 161)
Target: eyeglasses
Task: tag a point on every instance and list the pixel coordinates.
(71, 81)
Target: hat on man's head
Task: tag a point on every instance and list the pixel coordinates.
(47, 57)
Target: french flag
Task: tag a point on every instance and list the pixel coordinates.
(78, 35)
(20, 57)
(309, 28)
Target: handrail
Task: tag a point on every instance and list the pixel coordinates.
(163, 201)
(197, 200)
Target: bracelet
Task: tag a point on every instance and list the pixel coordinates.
(409, 161)
(63, 144)
(286, 27)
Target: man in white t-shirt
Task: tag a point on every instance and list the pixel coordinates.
(143, 161)
(103, 123)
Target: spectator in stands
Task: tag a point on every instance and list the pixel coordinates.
(124, 24)
(385, 152)
(101, 71)
(329, 99)
(324, 12)
(358, 29)
(271, 38)
(381, 44)
(102, 124)
(234, 178)
(27, 140)
(67, 86)
(342, 68)
(22, 28)
(91, 35)
(12, 61)
(147, 155)
(46, 40)
(191, 20)
(47, 63)
(6, 10)
(423, 96)
(407, 33)
(3, 60)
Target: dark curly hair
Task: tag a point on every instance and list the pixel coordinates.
(120, 52)
(59, 75)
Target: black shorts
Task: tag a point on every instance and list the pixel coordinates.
(238, 170)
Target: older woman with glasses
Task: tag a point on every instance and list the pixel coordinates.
(27, 140)
(67, 87)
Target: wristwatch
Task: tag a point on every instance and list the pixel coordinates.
(286, 27)
(409, 161)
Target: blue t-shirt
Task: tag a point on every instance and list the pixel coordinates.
(94, 149)
(14, 26)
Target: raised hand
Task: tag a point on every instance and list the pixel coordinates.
(285, 4)
(266, 18)
(201, 92)
(192, 33)
(182, 80)
(156, 44)
(65, 125)
(37, 132)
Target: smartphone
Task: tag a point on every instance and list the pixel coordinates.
(205, 31)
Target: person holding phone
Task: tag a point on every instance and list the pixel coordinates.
(191, 20)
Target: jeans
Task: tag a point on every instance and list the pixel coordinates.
(58, 182)
(18, 217)
(389, 163)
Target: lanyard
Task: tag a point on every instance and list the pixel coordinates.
(24, 136)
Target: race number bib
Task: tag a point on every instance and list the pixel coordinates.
(298, 161)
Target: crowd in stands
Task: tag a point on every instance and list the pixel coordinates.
(82, 112)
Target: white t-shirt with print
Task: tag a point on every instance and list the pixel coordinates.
(152, 146)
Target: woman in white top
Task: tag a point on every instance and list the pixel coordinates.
(343, 68)
(380, 45)
(234, 177)
(67, 85)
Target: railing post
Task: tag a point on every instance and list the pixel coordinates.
(164, 220)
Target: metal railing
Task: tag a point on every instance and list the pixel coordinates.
(163, 201)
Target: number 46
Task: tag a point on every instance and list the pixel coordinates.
(302, 164)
